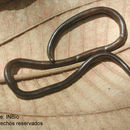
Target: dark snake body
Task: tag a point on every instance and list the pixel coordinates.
(90, 58)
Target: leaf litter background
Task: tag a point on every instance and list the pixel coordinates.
(99, 100)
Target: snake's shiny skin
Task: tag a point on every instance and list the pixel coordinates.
(90, 58)
(120, 41)
(86, 66)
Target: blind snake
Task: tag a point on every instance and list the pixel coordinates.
(120, 41)
(90, 58)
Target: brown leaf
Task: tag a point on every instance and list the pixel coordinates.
(99, 100)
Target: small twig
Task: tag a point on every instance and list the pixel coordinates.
(43, 73)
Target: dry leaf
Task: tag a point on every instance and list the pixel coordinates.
(100, 100)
